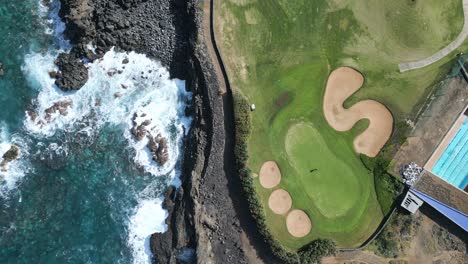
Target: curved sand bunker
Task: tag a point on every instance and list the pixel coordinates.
(341, 84)
(270, 175)
(298, 223)
(280, 201)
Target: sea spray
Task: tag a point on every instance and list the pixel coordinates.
(114, 93)
(84, 185)
(14, 170)
(120, 87)
(148, 218)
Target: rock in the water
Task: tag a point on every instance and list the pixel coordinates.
(32, 115)
(2, 69)
(159, 149)
(139, 132)
(60, 106)
(9, 156)
(54, 74)
(73, 73)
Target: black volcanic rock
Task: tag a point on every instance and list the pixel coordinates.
(168, 30)
(78, 15)
(157, 28)
(72, 72)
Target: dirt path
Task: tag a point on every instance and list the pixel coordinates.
(211, 46)
(243, 236)
(443, 52)
(341, 84)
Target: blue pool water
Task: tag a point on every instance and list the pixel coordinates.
(452, 165)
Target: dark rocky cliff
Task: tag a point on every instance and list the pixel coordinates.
(204, 225)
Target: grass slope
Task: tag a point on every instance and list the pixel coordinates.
(279, 53)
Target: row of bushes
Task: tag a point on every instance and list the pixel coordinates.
(311, 253)
(387, 187)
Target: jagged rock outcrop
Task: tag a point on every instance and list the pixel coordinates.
(79, 17)
(72, 74)
(157, 28)
(139, 131)
(159, 149)
(9, 156)
(60, 106)
(168, 30)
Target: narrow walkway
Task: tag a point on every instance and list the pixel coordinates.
(443, 52)
(209, 37)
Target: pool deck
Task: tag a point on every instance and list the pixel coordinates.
(445, 141)
(441, 111)
(442, 191)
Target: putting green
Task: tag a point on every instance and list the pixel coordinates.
(279, 54)
(332, 188)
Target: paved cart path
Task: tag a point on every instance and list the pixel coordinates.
(443, 52)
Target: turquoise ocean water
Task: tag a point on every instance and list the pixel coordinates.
(83, 190)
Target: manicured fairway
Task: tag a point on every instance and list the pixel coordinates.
(279, 54)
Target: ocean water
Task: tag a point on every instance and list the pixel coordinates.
(83, 189)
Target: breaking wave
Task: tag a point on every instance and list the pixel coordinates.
(13, 171)
(148, 218)
(125, 91)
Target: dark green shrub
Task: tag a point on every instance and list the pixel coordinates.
(317, 249)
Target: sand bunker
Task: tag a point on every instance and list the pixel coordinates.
(270, 175)
(280, 201)
(342, 83)
(298, 223)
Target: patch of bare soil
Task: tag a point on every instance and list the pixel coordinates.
(430, 242)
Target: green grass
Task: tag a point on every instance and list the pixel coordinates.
(279, 53)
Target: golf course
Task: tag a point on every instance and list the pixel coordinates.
(279, 55)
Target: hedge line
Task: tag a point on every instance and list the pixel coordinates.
(311, 253)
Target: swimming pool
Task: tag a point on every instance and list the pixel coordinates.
(452, 166)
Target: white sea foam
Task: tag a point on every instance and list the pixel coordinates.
(113, 94)
(15, 170)
(149, 218)
(52, 23)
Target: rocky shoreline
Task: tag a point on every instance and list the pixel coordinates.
(205, 222)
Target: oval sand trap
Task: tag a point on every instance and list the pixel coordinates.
(298, 223)
(341, 84)
(270, 175)
(280, 201)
